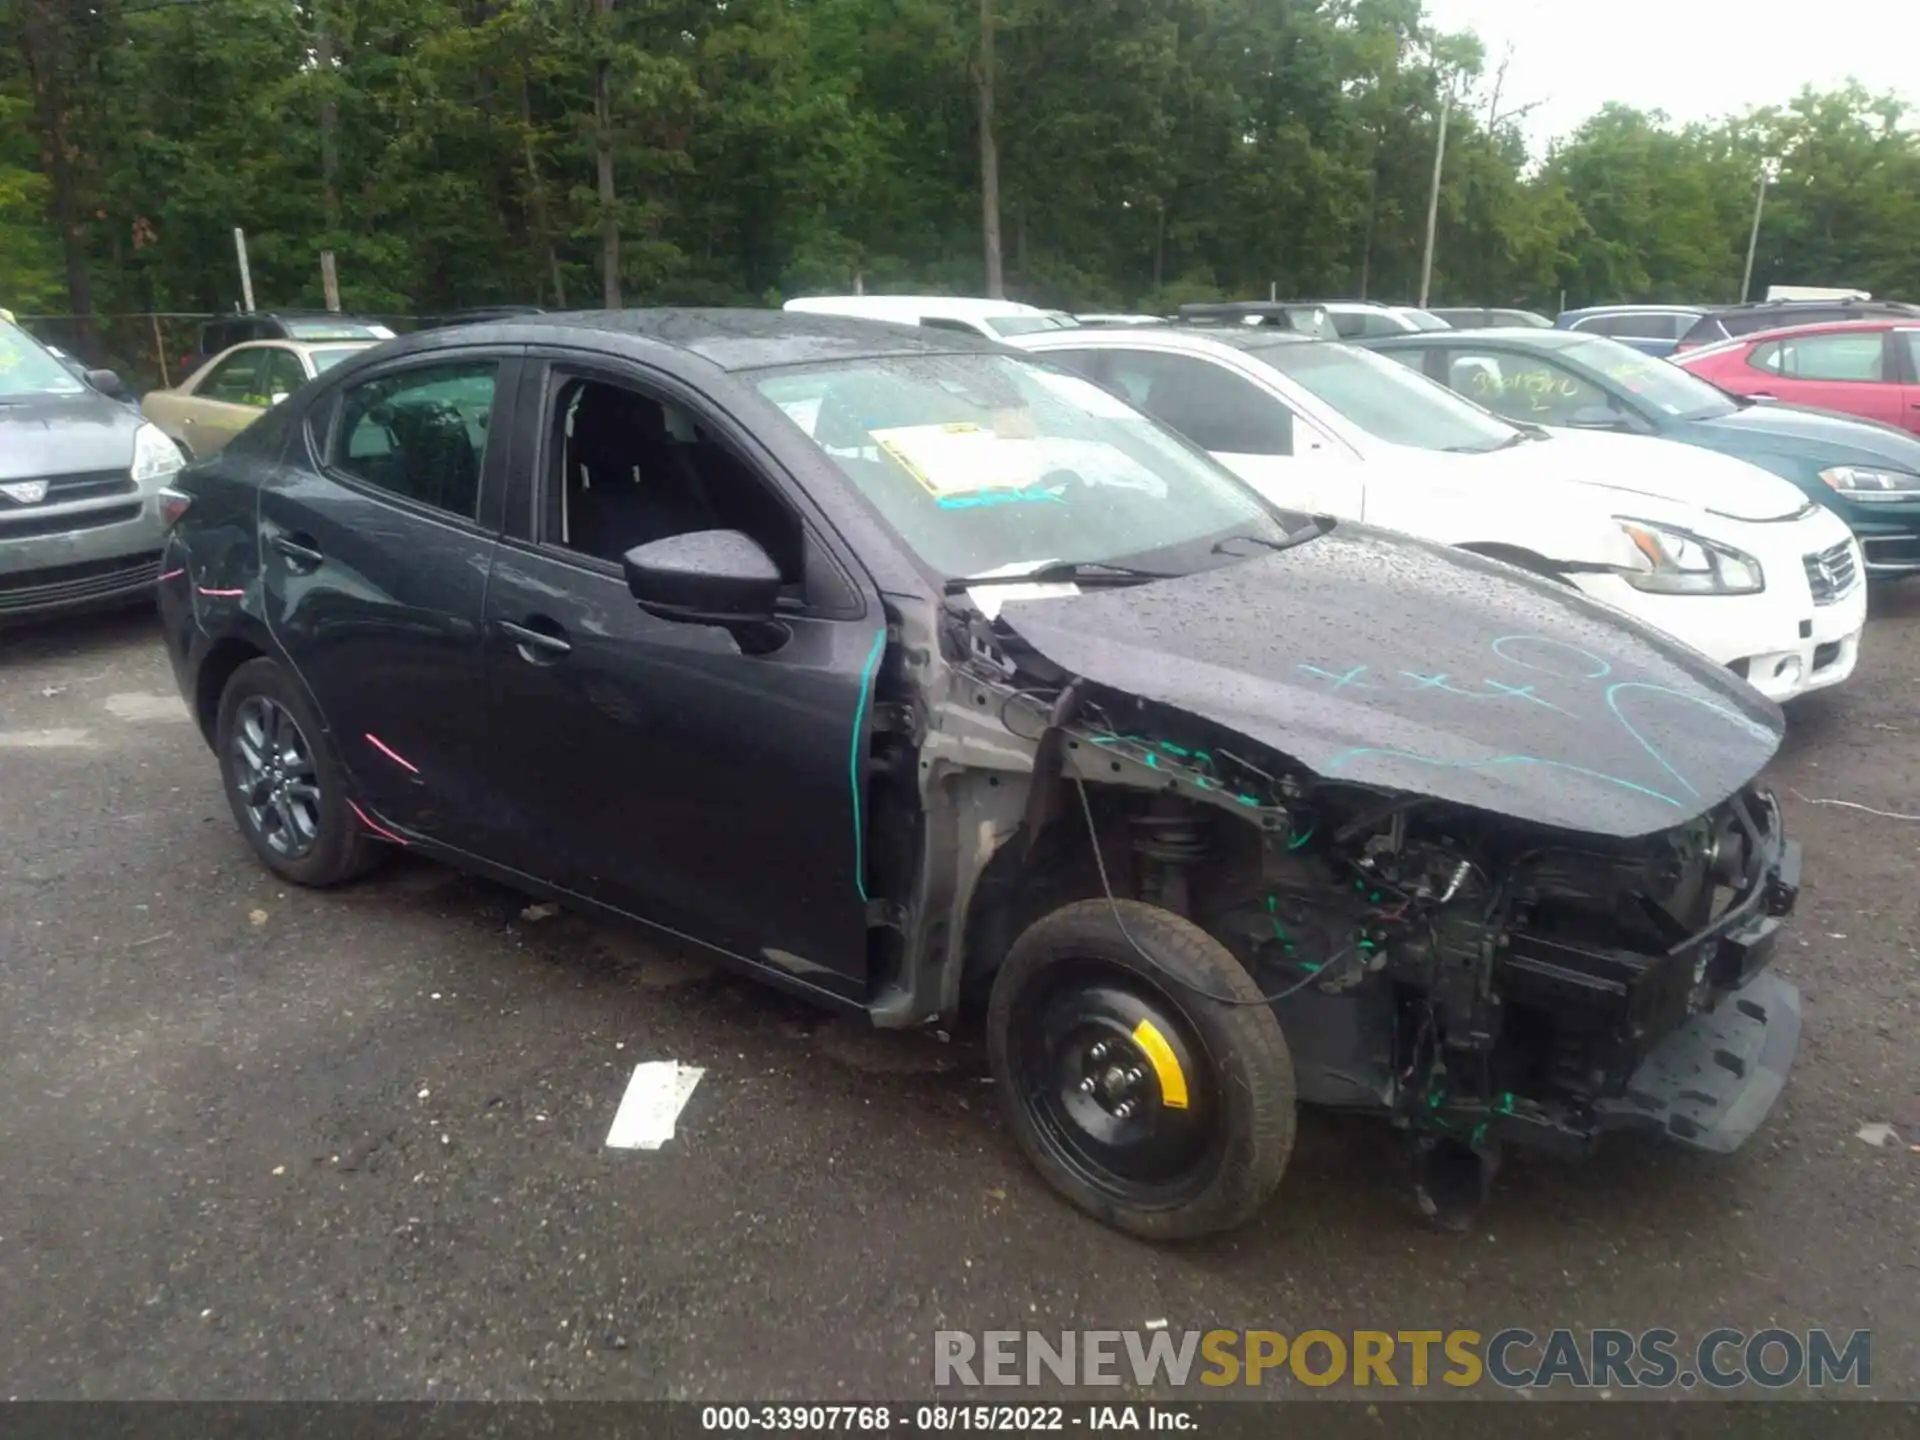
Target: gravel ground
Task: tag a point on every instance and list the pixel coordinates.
(263, 1143)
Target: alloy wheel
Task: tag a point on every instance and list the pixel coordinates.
(274, 775)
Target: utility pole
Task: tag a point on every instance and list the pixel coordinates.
(1768, 168)
(246, 275)
(603, 127)
(1433, 197)
(989, 160)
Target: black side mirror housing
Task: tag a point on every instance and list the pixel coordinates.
(107, 382)
(1597, 417)
(707, 577)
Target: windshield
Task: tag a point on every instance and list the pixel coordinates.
(326, 357)
(1665, 386)
(990, 463)
(26, 369)
(1387, 400)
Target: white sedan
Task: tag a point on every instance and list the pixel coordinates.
(1722, 555)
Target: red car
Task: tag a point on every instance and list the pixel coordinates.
(1868, 368)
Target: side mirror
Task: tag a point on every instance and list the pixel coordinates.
(107, 382)
(1596, 417)
(708, 577)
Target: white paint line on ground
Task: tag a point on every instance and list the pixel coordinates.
(139, 706)
(46, 739)
(657, 1093)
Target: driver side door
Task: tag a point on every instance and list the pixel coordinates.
(709, 781)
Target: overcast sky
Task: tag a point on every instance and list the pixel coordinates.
(1695, 59)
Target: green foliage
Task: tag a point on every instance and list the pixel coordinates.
(1151, 151)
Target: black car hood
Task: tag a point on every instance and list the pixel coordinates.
(65, 435)
(1826, 435)
(1388, 661)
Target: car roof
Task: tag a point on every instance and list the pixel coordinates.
(727, 339)
(1823, 327)
(953, 307)
(1523, 334)
(1644, 310)
(1199, 339)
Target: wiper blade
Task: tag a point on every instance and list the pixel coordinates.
(1062, 572)
(1315, 527)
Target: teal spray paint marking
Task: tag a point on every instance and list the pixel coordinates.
(853, 763)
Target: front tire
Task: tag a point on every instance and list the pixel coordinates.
(284, 783)
(1160, 1111)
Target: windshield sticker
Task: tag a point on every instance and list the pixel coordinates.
(964, 465)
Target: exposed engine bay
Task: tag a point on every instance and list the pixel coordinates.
(1476, 978)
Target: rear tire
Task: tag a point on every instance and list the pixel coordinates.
(1160, 1111)
(284, 783)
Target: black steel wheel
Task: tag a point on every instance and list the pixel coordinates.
(283, 782)
(1162, 1112)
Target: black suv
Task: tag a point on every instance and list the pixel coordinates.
(1737, 320)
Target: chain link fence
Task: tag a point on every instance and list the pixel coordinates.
(148, 350)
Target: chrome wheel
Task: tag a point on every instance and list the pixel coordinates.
(273, 774)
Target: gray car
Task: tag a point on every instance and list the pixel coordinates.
(80, 476)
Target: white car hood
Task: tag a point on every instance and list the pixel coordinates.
(1660, 469)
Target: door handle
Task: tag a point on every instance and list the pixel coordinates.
(301, 557)
(538, 647)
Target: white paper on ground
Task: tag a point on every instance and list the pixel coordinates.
(657, 1093)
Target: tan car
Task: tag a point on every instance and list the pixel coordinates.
(230, 391)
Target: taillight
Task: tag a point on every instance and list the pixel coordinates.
(173, 504)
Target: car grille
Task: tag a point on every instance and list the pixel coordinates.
(61, 489)
(16, 526)
(1832, 574)
(76, 584)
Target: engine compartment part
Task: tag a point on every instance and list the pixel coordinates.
(1477, 979)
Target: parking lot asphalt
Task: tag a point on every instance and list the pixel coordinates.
(267, 1143)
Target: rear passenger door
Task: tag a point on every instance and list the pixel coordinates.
(376, 534)
(1906, 350)
(1855, 371)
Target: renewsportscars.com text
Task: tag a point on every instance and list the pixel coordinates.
(1513, 1359)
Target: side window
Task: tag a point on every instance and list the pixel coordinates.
(1765, 357)
(1522, 387)
(1213, 407)
(1349, 326)
(238, 380)
(284, 373)
(625, 468)
(1911, 339)
(420, 434)
(1858, 357)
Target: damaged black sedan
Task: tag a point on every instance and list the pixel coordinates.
(923, 679)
